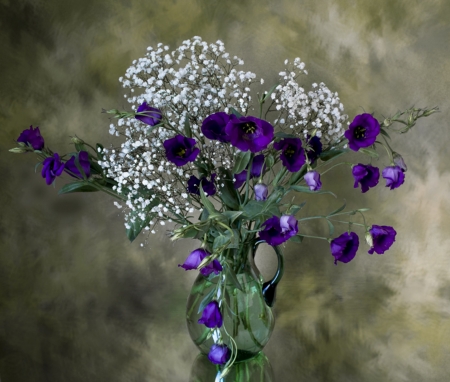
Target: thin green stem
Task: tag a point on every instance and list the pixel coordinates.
(337, 164)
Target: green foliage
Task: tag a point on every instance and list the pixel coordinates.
(241, 161)
(79, 186)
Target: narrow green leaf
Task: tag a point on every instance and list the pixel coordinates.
(281, 134)
(207, 299)
(338, 210)
(306, 190)
(241, 161)
(369, 152)
(296, 238)
(37, 165)
(79, 186)
(298, 175)
(229, 273)
(269, 93)
(138, 224)
(187, 128)
(206, 203)
(235, 112)
(382, 131)
(279, 177)
(221, 241)
(269, 160)
(294, 209)
(232, 215)
(330, 154)
(99, 154)
(330, 227)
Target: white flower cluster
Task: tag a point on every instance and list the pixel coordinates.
(318, 110)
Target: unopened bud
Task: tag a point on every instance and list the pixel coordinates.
(398, 161)
(18, 150)
(369, 239)
(77, 140)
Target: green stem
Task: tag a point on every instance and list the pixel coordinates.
(337, 164)
(317, 237)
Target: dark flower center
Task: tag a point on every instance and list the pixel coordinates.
(290, 151)
(249, 127)
(360, 132)
(180, 152)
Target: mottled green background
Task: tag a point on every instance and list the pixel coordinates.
(79, 303)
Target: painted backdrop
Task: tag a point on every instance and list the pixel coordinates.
(80, 303)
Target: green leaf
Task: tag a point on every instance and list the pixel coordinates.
(294, 209)
(269, 160)
(187, 128)
(241, 161)
(279, 177)
(269, 93)
(206, 203)
(228, 194)
(232, 215)
(330, 154)
(281, 134)
(298, 175)
(330, 227)
(229, 274)
(306, 190)
(208, 298)
(338, 210)
(382, 131)
(235, 112)
(221, 241)
(296, 238)
(369, 152)
(138, 224)
(80, 186)
(37, 165)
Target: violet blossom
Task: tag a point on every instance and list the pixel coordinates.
(344, 247)
(394, 176)
(219, 354)
(32, 137)
(278, 230)
(261, 191)
(293, 155)
(83, 160)
(315, 148)
(366, 175)
(52, 167)
(249, 133)
(362, 132)
(208, 186)
(211, 316)
(213, 127)
(383, 237)
(152, 115)
(312, 179)
(195, 258)
(181, 150)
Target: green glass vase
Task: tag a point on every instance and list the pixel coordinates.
(245, 305)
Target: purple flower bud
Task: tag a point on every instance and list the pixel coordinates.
(240, 179)
(366, 175)
(219, 354)
(52, 167)
(32, 137)
(278, 230)
(394, 176)
(249, 133)
(344, 247)
(195, 258)
(312, 179)
(213, 127)
(293, 155)
(261, 191)
(257, 166)
(181, 150)
(208, 186)
(398, 161)
(383, 237)
(152, 115)
(211, 316)
(315, 148)
(72, 169)
(362, 132)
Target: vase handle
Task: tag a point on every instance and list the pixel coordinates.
(269, 287)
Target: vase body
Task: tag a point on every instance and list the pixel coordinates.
(246, 316)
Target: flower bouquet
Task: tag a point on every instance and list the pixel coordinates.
(221, 162)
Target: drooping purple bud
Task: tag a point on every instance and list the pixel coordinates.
(211, 316)
(152, 116)
(383, 237)
(312, 179)
(344, 247)
(278, 230)
(32, 137)
(398, 161)
(52, 167)
(366, 175)
(219, 354)
(83, 160)
(394, 176)
(261, 191)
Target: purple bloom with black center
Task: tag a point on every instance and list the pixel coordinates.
(383, 237)
(362, 132)
(83, 159)
(181, 150)
(208, 185)
(152, 116)
(315, 148)
(278, 230)
(195, 258)
(219, 354)
(394, 176)
(213, 127)
(32, 137)
(211, 316)
(312, 179)
(366, 175)
(398, 161)
(249, 133)
(344, 247)
(293, 155)
(52, 167)
(261, 191)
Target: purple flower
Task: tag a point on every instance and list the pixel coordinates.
(394, 176)
(398, 161)
(315, 148)
(83, 159)
(195, 258)
(344, 247)
(211, 316)
(257, 166)
(383, 237)
(278, 230)
(312, 179)
(152, 115)
(32, 137)
(293, 155)
(208, 185)
(181, 150)
(261, 191)
(362, 132)
(240, 179)
(52, 167)
(249, 133)
(219, 354)
(213, 127)
(366, 175)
